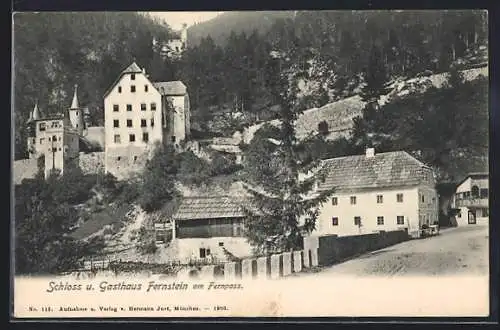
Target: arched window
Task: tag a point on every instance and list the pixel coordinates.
(475, 191)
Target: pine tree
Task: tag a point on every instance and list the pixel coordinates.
(375, 77)
(280, 200)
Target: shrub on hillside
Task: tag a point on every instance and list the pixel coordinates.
(224, 164)
(192, 170)
(146, 242)
(158, 179)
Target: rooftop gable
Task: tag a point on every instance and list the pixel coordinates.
(132, 68)
(383, 170)
(475, 176)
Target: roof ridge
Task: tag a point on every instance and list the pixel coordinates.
(376, 154)
(206, 197)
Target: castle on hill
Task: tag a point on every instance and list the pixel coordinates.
(138, 114)
(174, 47)
(56, 137)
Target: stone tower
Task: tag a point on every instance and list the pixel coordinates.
(76, 113)
(59, 142)
(31, 131)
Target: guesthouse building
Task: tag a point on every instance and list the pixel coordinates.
(376, 192)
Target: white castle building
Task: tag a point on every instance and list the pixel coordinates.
(138, 113)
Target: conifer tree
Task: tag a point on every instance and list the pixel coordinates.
(375, 77)
(282, 206)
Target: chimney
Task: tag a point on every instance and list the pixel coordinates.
(370, 152)
(143, 71)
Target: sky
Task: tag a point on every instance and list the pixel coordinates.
(176, 19)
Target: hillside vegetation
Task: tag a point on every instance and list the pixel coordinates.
(329, 55)
(220, 27)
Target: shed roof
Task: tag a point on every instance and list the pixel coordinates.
(171, 88)
(384, 170)
(201, 207)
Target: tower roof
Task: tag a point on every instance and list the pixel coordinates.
(74, 103)
(36, 112)
(30, 119)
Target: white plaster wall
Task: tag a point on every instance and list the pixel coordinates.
(463, 220)
(465, 186)
(462, 217)
(135, 99)
(368, 209)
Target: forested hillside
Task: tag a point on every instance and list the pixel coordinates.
(221, 26)
(54, 51)
(329, 54)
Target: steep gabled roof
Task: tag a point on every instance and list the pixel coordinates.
(170, 88)
(132, 68)
(384, 170)
(202, 207)
(474, 175)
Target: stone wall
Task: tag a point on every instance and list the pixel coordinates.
(24, 169)
(332, 249)
(127, 161)
(92, 162)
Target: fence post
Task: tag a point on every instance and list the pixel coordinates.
(287, 263)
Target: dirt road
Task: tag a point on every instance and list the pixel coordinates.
(456, 251)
